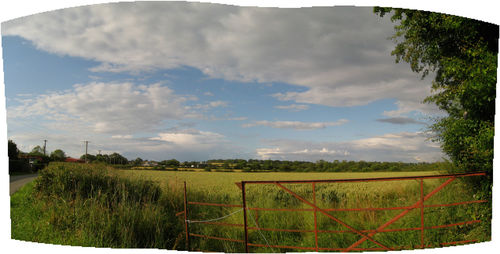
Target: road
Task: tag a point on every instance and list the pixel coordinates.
(16, 182)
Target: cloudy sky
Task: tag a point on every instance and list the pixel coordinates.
(206, 81)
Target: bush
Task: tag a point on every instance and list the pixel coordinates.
(109, 210)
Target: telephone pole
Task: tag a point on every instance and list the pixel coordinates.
(86, 148)
(44, 146)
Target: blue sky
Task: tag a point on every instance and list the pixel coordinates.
(205, 81)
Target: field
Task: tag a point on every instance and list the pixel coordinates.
(154, 216)
(224, 182)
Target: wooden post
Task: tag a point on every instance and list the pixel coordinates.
(186, 217)
(244, 214)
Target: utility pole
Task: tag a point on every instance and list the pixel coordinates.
(44, 146)
(86, 148)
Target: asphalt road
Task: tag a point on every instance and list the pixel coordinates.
(16, 182)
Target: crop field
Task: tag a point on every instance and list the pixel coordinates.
(95, 205)
(224, 182)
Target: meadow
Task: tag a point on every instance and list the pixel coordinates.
(137, 208)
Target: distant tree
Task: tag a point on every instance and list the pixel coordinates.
(172, 163)
(102, 158)
(137, 162)
(89, 157)
(116, 158)
(58, 155)
(37, 151)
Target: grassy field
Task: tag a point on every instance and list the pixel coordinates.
(224, 182)
(136, 208)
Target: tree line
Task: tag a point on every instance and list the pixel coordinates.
(254, 165)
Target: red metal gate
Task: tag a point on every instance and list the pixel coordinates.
(365, 234)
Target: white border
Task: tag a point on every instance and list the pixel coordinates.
(10, 9)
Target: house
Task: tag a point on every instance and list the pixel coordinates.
(149, 164)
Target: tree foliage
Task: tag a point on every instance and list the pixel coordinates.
(462, 54)
(37, 151)
(58, 155)
(319, 166)
(13, 151)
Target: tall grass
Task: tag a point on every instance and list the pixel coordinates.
(97, 208)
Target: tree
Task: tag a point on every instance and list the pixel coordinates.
(172, 163)
(13, 152)
(137, 162)
(116, 158)
(462, 53)
(88, 157)
(37, 151)
(58, 155)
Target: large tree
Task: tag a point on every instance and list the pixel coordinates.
(58, 155)
(13, 152)
(37, 151)
(461, 53)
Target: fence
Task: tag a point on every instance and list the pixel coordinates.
(364, 234)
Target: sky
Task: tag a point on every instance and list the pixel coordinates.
(196, 81)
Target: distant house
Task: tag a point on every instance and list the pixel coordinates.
(69, 159)
(149, 163)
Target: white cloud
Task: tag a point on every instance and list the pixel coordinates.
(117, 108)
(121, 136)
(210, 105)
(240, 118)
(191, 138)
(297, 125)
(293, 107)
(214, 104)
(273, 153)
(340, 55)
(404, 146)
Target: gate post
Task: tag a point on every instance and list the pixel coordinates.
(186, 217)
(244, 214)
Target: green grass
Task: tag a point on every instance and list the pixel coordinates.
(95, 206)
